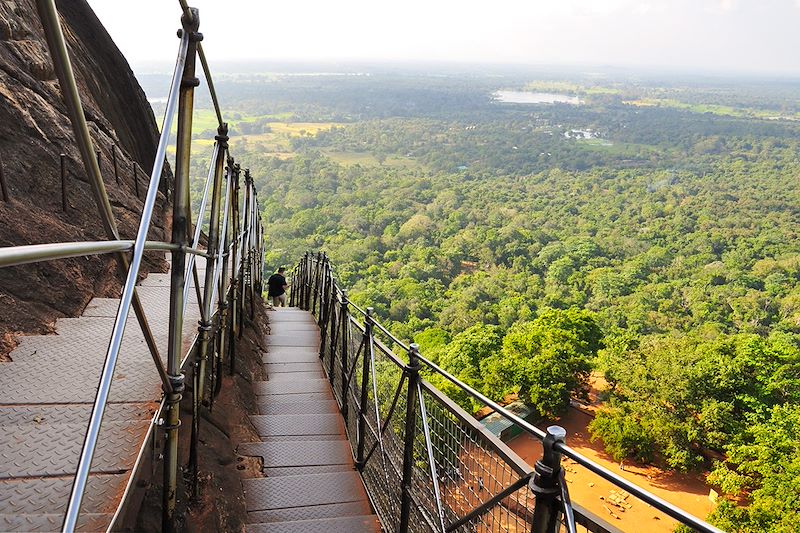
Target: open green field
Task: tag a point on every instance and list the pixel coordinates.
(368, 159)
(715, 109)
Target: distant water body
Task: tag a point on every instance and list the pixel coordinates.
(525, 97)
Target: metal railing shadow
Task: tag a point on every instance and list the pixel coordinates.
(428, 465)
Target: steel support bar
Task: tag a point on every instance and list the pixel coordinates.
(35, 253)
(489, 504)
(48, 14)
(409, 434)
(204, 327)
(234, 308)
(180, 235)
(545, 485)
(369, 354)
(344, 332)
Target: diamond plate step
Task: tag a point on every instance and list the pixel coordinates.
(298, 491)
(52, 522)
(299, 453)
(291, 514)
(292, 376)
(350, 524)
(269, 407)
(284, 328)
(276, 317)
(292, 398)
(295, 338)
(73, 413)
(32, 450)
(273, 368)
(291, 387)
(50, 495)
(300, 425)
(308, 356)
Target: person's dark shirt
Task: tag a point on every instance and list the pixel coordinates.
(276, 283)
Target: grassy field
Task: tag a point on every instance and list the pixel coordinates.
(715, 109)
(368, 159)
(568, 87)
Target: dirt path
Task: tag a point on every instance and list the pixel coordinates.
(687, 491)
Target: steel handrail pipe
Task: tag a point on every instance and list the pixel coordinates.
(36, 253)
(104, 387)
(198, 229)
(48, 14)
(225, 249)
(211, 90)
(642, 494)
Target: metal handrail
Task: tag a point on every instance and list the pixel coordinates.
(250, 254)
(306, 284)
(34, 253)
(104, 387)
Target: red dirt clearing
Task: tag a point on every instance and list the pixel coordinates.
(687, 491)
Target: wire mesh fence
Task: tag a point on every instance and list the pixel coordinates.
(427, 464)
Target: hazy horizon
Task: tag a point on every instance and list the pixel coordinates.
(705, 37)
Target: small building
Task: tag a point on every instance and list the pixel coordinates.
(503, 428)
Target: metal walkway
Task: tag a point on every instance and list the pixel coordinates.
(46, 401)
(309, 482)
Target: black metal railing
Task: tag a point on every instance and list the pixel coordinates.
(233, 257)
(426, 463)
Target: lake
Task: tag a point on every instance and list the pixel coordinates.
(526, 97)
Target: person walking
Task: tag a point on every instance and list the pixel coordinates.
(277, 288)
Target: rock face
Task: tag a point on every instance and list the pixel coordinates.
(34, 131)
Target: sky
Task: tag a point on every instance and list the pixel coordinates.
(715, 36)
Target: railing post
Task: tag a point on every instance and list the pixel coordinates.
(235, 258)
(224, 289)
(545, 484)
(309, 288)
(365, 371)
(293, 293)
(114, 162)
(344, 327)
(180, 236)
(323, 316)
(64, 198)
(245, 265)
(317, 279)
(3, 184)
(410, 433)
(332, 349)
(204, 325)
